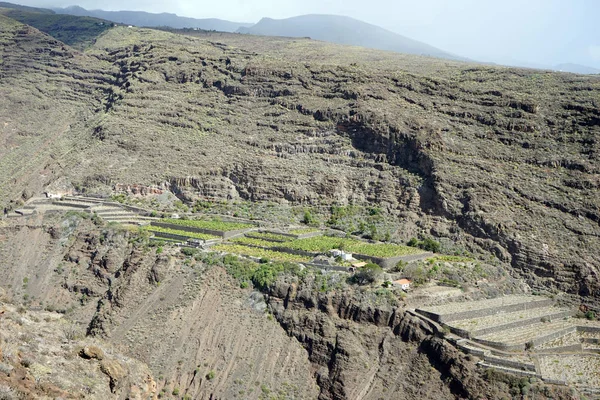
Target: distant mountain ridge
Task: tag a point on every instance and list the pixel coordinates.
(344, 30)
(25, 8)
(142, 18)
(576, 69)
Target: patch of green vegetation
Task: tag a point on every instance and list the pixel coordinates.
(262, 275)
(213, 225)
(590, 315)
(325, 243)
(367, 274)
(427, 244)
(188, 251)
(309, 218)
(321, 244)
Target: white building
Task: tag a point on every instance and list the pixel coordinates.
(404, 284)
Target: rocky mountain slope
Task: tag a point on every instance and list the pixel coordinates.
(496, 160)
(105, 315)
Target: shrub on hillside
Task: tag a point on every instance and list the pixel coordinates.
(367, 274)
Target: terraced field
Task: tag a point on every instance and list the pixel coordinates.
(580, 369)
(214, 225)
(453, 308)
(326, 243)
(168, 231)
(268, 236)
(504, 318)
(251, 241)
(528, 333)
(569, 339)
(260, 253)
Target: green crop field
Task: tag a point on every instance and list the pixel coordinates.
(325, 243)
(213, 225)
(191, 235)
(322, 244)
(260, 253)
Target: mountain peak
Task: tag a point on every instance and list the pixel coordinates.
(343, 30)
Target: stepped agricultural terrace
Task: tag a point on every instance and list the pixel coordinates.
(107, 210)
(226, 234)
(530, 336)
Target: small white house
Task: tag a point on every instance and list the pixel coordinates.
(175, 216)
(403, 284)
(342, 254)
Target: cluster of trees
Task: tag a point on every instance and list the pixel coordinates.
(427, 244)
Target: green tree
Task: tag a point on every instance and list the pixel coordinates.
(368, 274)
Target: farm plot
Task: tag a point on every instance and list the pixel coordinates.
(168, 231)
(569, 339)
(528, 333)
(252, 241)
(260, 253)
(213, 225)
(268, 236)
(503, 318)
(453, 308)
(580, 369)
(322, 244)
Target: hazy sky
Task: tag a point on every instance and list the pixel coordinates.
(535, 32)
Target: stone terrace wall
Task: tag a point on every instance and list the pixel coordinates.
(512, 371)
(588, 329)
(509, 363)
(170, 236)
(223, 234)
(574, 348)
(329, 267)
(469, 350)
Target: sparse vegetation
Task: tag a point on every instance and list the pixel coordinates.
(427, 244)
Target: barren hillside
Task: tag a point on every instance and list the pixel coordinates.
(478, 155)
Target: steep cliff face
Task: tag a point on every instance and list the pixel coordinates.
(362, 350)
